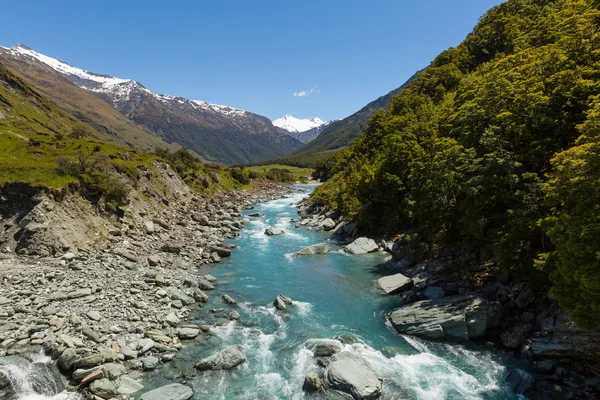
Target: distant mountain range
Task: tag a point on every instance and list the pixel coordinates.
(128, 113)
(303, 129)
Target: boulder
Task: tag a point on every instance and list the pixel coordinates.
(103, 388)
(228, 299)
(174, 391)
(312, 382)
(362, 245)
(326, 349)
(353, 375)
(395, 283)
(128, 386)
(327, 224)
(320, 248)
(454, 318)
(281, 302)
(172, 319)
(221, 252)
(149, 363)
(67, 359)
(257, 214)
(205, 285)
(178, 294)
(225, 359)
(270, 231)
(188, 333)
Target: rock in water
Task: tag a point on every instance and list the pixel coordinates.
(281, 302)
(362, 245)
(312, 382)
(395, 283)
(320, 248)
(455, 318)
(274, 231)
(174, 391)
(228, 358)
(351, 374)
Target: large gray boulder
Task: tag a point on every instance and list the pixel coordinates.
(455, 318)
(353, 375)
(327, 224)
(227, 358)
(395, 283)
(320, 248)
(174, 391)
(362, 245)
(274, 231)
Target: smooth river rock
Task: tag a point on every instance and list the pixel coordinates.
(362, 245)
(274, 231)
(227, 358)
(395, 283)
(320, 248)
(455, 318)
(174, 391)
(353, 375)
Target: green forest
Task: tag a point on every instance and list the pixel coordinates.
(494, 149)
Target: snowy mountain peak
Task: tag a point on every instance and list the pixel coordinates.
(297, 125)
(117, 90)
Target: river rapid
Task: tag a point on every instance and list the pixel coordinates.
(335, 299)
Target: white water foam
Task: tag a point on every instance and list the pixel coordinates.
(21, 381)
(420, 376)
(303, 307)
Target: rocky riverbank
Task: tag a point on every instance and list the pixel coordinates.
(448, 296)
(107, 296)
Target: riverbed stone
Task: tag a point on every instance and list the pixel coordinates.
(174, 391)
(172, 319)
(271, 231)
(225, 359)
(188, 333)
(454, 318)
(67, 359)
(128, 386)
(113, 370)
(312, 382)
(395, 283)
(103, 388)
(362, 245)
(353, 375)
(319, 248)
(228, 299)
(149, 363)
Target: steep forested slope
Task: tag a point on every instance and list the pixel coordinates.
(494, 149)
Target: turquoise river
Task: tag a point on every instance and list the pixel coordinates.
(334, 297)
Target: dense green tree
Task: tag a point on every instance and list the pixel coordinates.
(483, 145)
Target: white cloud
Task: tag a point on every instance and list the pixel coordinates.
(308, 92)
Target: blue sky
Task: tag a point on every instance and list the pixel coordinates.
(256, 55)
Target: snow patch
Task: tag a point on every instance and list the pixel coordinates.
(293, 124)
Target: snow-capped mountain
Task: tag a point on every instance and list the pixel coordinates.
(216, 132)
(303, 129)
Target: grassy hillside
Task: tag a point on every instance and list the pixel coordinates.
(494, 149)
(42, 145)
(110, 125)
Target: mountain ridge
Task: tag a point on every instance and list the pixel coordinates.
(215, 132)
